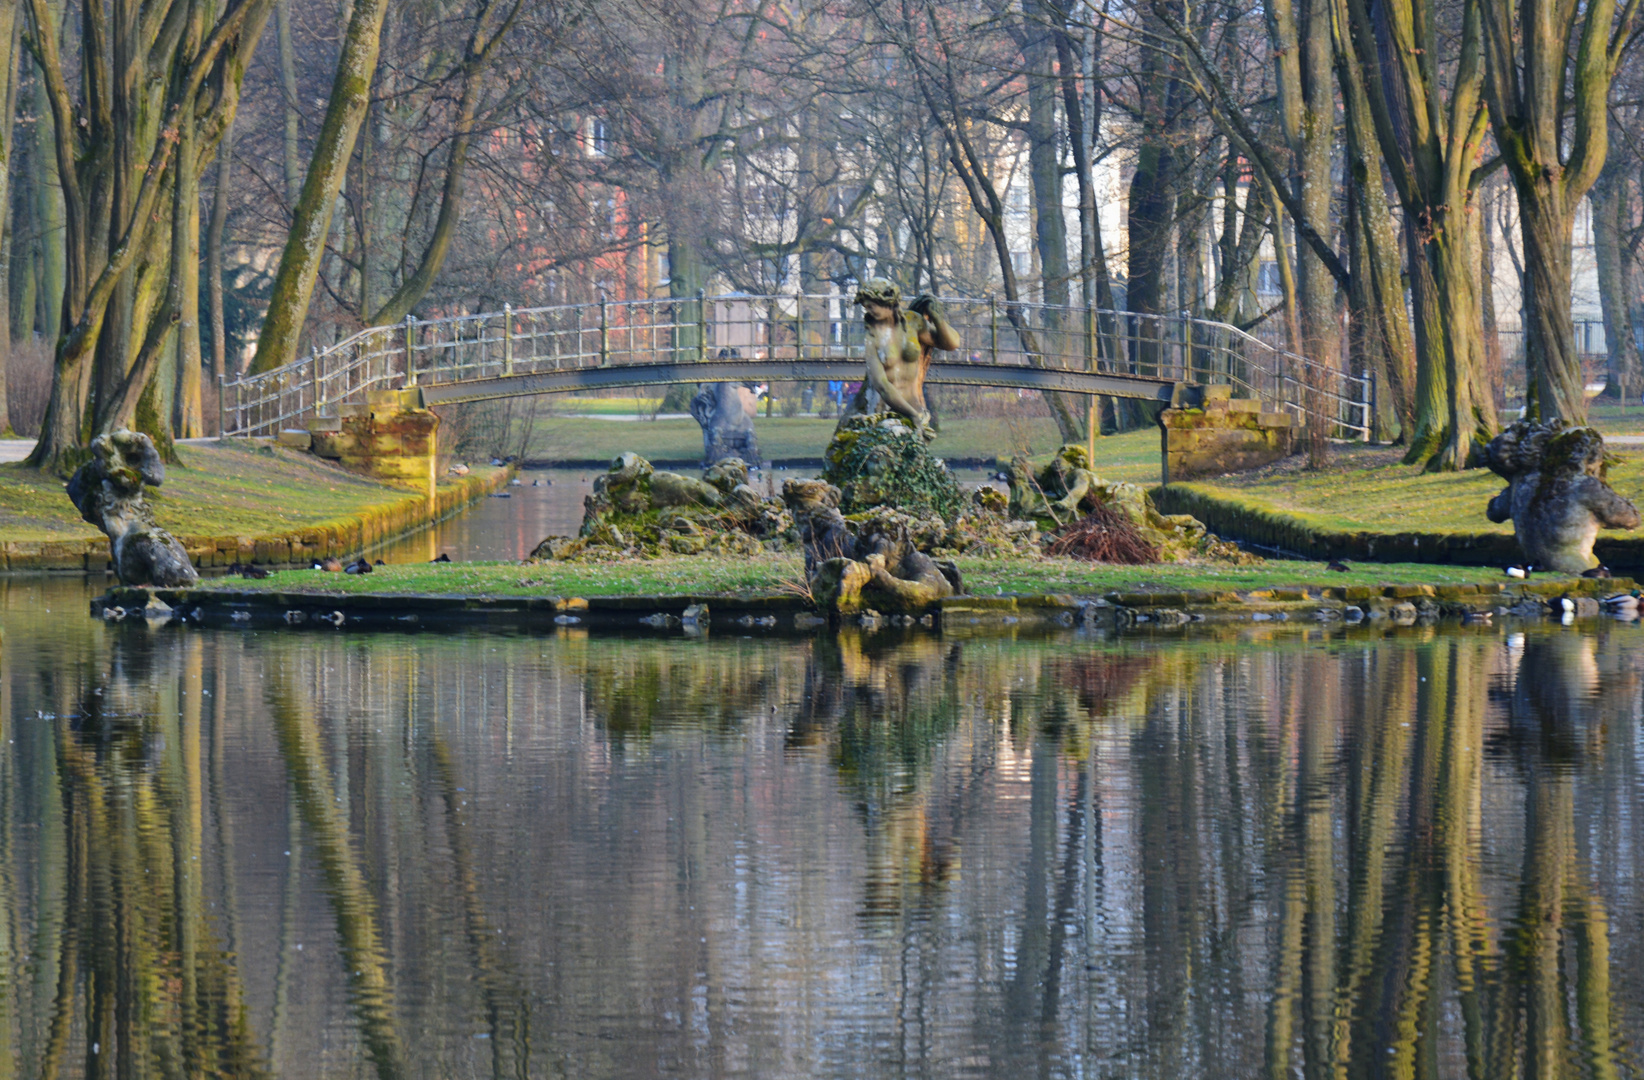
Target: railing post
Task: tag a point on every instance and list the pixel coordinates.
(222, 410)
(314, 378)
(799, 329)
(993, 327)
(604, 330)
(701, 325)
(1370, 432)
(239, 415)
(410, 352)
(507, 339)
(1090, 339)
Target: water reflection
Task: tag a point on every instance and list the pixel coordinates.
(1311, 853)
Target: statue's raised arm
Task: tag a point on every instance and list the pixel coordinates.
(899, 344)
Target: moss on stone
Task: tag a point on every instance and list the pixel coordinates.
(877, 460)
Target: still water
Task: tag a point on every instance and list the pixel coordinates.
(1277, 851)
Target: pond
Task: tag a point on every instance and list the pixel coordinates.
(1296, 851)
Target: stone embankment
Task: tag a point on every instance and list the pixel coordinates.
(1394, 604)
(341, 537)
(1300, 535)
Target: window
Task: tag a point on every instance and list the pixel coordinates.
(599, 137)
(1267, 278)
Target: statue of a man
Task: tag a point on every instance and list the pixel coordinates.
(898, 352)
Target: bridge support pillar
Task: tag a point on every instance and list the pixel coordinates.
(1208, 432)
(391, 437)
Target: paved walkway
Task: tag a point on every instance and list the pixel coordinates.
(15, 449)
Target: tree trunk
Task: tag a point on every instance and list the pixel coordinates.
(187, 413)
(1380, 318)
(49, 220)
(214, 255)
(1556, 387)
(311, 217)
(1549, 111)
(1431, 133)
(1049, 222)
(10, 33)
(1610, 200)
(1494, 371)
(292, 157)
(117, 169)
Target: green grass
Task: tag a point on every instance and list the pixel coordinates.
(1133, 456)
(1613, 418)
(218, 491)
(1366, 489)
(717, 574)
(601, 406)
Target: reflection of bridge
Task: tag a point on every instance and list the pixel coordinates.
(781, 339)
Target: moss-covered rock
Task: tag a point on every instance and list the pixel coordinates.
(635, 511)
(879, 460)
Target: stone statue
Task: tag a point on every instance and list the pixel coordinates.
(876, 563)
(898, 352)
(1555, 494)
(108, 492)
(726, 413)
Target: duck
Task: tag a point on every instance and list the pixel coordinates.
(443, 557)
(536, 483)
(360, 567)
(1518, 571)
(255, 573)
(1622, 603)
(330, 564)
(1597, 572)
(459, 469)
(1338, 565)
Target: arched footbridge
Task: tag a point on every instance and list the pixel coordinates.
(786, 338)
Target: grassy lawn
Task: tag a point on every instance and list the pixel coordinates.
(1365, 488)
(1133, 456)
(219, 491)
(718, 574)
(1613, 418)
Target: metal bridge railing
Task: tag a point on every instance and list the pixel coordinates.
(605, 334)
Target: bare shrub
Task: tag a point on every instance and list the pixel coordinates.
(1106, 536)
(28, 384)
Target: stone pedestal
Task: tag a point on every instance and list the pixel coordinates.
(391, 437)
(1208, 432)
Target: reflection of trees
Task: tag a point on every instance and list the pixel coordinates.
(370, 989)
(140, 972)
(1525, 978)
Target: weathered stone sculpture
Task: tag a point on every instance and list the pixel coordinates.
(725, 412)
(880, 562)
(1555, 494)
(108, 492)
(898, 353)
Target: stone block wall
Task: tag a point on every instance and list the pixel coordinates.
(391, 437)
(1208, 432)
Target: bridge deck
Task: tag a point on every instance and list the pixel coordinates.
(841, 370)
